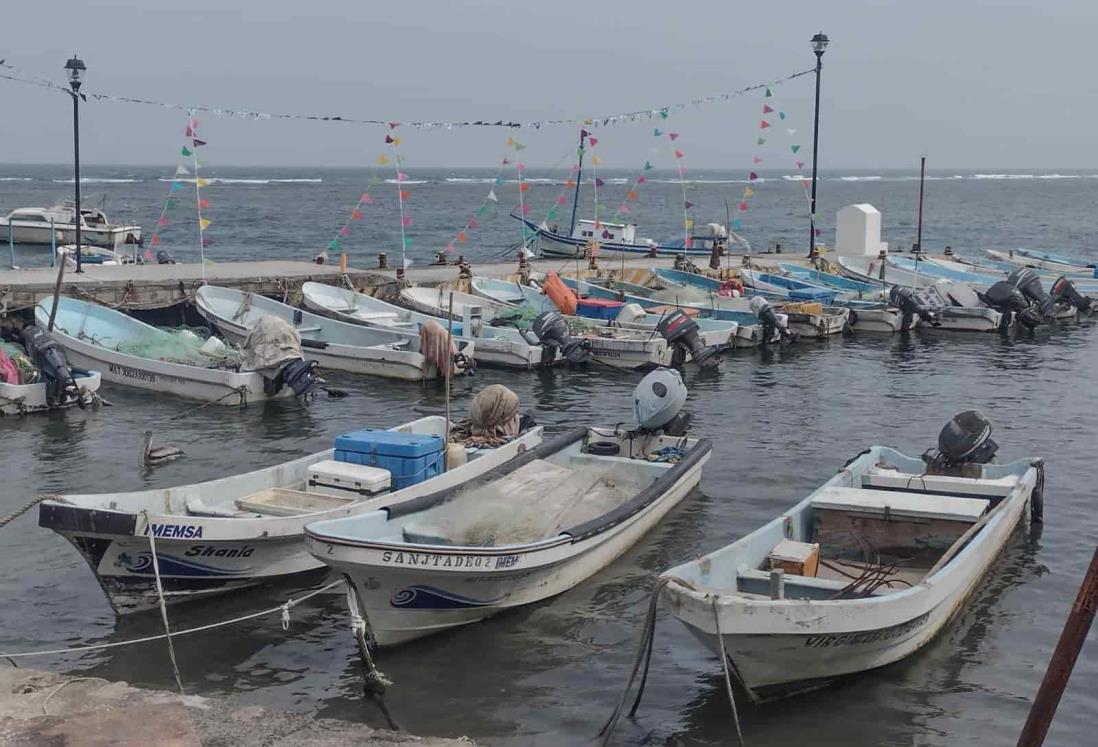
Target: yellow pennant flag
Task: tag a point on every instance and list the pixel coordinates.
(596, 160)
(396, 141)
(204, 223)
(510, 142)
(202, 182)
(747, 191)
(382, 161)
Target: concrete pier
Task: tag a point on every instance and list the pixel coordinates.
(41, 708)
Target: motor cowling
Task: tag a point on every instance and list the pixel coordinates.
(163, 258)
(299, 374)
(681, 333)
(658, 400)
(911, 306)
(552, 332)
(1006, 298)
(964, 444)
(1028, 282)
(769, 321)
(48, 356)
(1064, 291)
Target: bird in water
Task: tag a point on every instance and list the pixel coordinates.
(160, 454)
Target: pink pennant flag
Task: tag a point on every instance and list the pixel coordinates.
(450, 247)
(624, 208)
(401, 176)
(366, 199)
(189, 132)
(593, 140)
(641, 179)
(743, 206)
(763, 125)
(203, 203)
(806, 183)
(673, 135)
(394, 125)
(473, 223)
(520, 167)
(406, 221)
(767, 109)
(756, 159)
(598, 224)
(163, 222)
(800, 164)
(345, 231)
(388, 139)
(752, 176)
(148, 255)
(155, 240)
(575, 167)
(679, 154)
(505, 161)
(525, 209)
(561, 200)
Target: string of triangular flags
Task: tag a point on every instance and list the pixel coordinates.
(604, 119)
(403, 193)
(795, 153)
(633, 194)
(200, 202)
(485, 205)
(569, 184)
(523, 186)
(687, 221)
(596, 161)
(162, 221)
(756, 160)
(344, 232)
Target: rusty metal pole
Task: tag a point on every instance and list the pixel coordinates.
(1063, 659)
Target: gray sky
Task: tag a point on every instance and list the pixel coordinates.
(971, 84)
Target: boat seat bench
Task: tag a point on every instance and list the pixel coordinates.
(753, 581)
(892, 503)
(964, 487)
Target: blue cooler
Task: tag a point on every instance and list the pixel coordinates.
(410, 457)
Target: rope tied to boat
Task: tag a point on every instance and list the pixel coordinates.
(28, 506)
(375, 682)
(163, 605)
(19, 402)
(241, 391)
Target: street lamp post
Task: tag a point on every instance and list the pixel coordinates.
(75, 69)
(819, 46)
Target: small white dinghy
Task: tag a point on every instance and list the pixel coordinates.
(494, 346)
(436, 302)
(246, 529)
(522, 533)
(121, 348)
(334, 345)
(37, 377)
(865, 570)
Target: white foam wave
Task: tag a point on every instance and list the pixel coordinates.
(297, 181)
(17, 179)
(859, 178)
(95, 180)
(405, 181)
(1004, 176)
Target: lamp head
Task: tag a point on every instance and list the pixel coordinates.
(75, 68)
(819, 43)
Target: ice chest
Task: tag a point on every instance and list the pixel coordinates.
(344, 480)
(410, 457)
(598, 308)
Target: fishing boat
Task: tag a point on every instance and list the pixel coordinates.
(815, 320)
(792, 289)
(129, 352)
(855, 287)
(494, 346)
(36, 376)
(33, 225)
(611, 238)
(436, 302)
(333, 344)
(238, 531)
(523, 532)
(870, 316)
(94, 255)
(19, 399)
(1059, 259)
(864, 571)
(1031, 261)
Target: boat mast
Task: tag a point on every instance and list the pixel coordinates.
(579, 180)
(922, 180)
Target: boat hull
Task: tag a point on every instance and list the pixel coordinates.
(16, 399)
(832, 322)
(885, 321)
(201, 556)
(115, 237)
(408, 595)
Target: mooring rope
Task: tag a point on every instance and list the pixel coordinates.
(727, 676)
(241, 391)
(163, 605)
(27, 507)
(374, 680)
(283, 609)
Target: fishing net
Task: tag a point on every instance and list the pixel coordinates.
(191, 346)
(523, 316)
(680, 294)
(17, 355)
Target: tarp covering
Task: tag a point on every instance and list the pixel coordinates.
(270, 343)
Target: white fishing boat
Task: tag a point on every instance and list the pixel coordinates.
(34, 225)
(222, 535)
(867, 316)
(334, 345)
(94, 255)
(522, 533)
(126, 351)
(436, 302)
(1020, 260)
(809, 319)
(494, 346)
(36, 376)
(19, 399)
(863, 572)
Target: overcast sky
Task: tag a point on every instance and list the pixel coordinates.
(970, 84)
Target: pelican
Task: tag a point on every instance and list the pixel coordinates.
(160, 454)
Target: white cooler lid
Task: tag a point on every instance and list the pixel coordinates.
(373, 479)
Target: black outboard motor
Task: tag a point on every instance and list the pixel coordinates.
(49, 358)
(963, 446)
(1064, 291)
(681, 333)
(552, 332)
(1009, 301)
(1029, 283)
(910, 306)
(769, 321)
(299, 374)
(163, 258)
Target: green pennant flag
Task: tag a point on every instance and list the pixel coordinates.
(552, 214)
(169, 203)
(663, 113)
(481, 210)
(519, 146)
(407, 241)
(648, 166)
(333, 245)
(796, 148)
(761, 141)
(781, 115)
(187, 151)
(656, 132)
(207, 261)
(768, 94)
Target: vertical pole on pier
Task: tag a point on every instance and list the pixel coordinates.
(449, 363)
(922, 181)
(11, 243)
(579, 180)
(1063, 659)
(75, 69)
(819, 45)
(56, 294)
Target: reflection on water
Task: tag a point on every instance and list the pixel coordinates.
(782, 420)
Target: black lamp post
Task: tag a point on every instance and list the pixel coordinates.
(819, 46)
(75, 69)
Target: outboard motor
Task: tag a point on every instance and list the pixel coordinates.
(963, 446)
(910, 306)
(1009, 301)
(681, 333)
(769, 321)
(163, 258)
(553, 334)
(49, 357)
(1029, 283)
(299, 374)
(1064, 291)
(658, 401)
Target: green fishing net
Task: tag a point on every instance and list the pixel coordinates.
(523, 316)
(187, 345)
